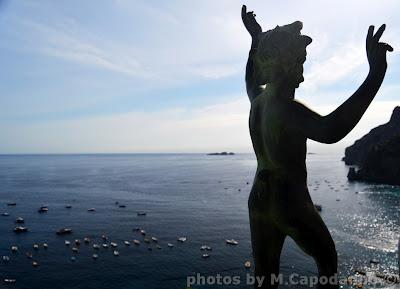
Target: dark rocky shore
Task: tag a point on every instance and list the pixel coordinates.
(377, 154)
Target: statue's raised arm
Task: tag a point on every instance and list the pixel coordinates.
(253, 82)
(336, 125)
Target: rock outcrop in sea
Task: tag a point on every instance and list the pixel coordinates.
(377, 154)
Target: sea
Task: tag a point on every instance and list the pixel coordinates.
(200, 197)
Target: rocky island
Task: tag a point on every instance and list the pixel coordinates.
(221, 154)
(377, 154)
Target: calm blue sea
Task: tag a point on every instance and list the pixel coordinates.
(203, 198)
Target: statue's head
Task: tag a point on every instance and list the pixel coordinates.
(280, 55)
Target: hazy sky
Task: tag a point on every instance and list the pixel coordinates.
(168, 76)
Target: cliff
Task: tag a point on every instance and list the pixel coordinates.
(377, 154)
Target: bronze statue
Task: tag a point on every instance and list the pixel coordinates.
(279, 203)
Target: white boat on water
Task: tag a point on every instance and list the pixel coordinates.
(116, 253)
(205, 248)
(170, 245)
(136, 242)
(67, 243)
(96, 247)
(127, 243)
(231, 241)
(113, 244)
(154, 239)
(95, 256)
(182, 239)
(14, 248)
(6, 259)
(19, 220)
(105, 246)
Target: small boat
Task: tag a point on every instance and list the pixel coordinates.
(64, 231)
(146, 240)
(35, 264)
(75, 249)
(35, 247)
(205, 256)
(205, 248)
(10, 281)
(113, 244)
(86, 240)
(247, 264)
(136, 242)
(14, 249)
(96, 247)
(45, 246)
(77, 242)
(19, 220)
(73, 259)
(141, 213)
(67, 243)
(29, 255)
(182, 239)
(95, 256)
(318, 207)
(68, 206)
(116, 253)
(143, 232)
(231, 242)
(122, 206)
(104, 237)
(158, 247)
(5, 214)
(6, 259)
(20, 229)
(154, 239)
(91, 210)
(43, 209)
(170, 245)
(11, 204)
(127, 243)
(105, 246)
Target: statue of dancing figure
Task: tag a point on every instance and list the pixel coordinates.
(279, 203)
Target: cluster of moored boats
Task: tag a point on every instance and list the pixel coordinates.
(149, 241)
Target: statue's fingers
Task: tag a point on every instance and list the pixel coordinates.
(369, 35)
(388, 47)
(379, 33)
(244, 12)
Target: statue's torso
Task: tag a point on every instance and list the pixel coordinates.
(281, 177)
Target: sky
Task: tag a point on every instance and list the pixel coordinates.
(126, 76)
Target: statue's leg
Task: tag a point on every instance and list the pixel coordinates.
(311, 234)
(267, 241)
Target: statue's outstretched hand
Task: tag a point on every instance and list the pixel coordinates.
(376, 51)
(251, 24)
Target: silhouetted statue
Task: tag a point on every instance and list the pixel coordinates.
(279, 202)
